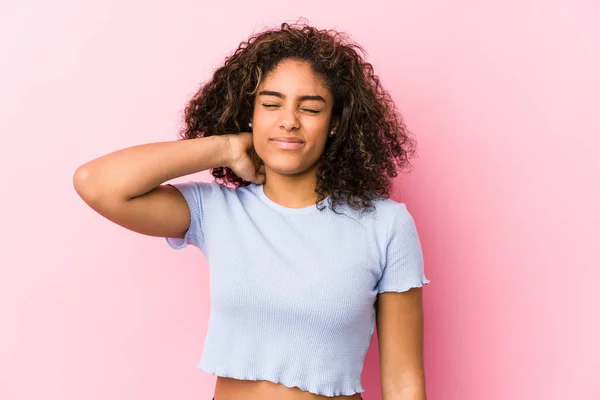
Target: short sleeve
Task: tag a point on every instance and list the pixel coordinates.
(404, 266)
(194, 193)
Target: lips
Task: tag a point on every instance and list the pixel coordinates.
(287, 143)
(287, 140)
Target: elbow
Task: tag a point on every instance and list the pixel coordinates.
(86, 184)
(97, 188)
(82, 182)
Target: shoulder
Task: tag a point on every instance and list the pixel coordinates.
(385, 217)
(389, 211)
(210, 187)
(206, 193)
(394, 221)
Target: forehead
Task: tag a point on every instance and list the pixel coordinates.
(294, 77)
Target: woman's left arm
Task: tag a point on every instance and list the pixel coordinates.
(400, 334)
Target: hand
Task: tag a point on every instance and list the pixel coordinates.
(245, 163)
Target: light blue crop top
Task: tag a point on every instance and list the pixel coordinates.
(293, 289)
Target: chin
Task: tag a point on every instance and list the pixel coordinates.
(286, 167)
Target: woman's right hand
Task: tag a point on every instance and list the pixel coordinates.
(245, 162)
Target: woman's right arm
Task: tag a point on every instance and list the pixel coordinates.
(126, 186)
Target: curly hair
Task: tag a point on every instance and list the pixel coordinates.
(371, 143)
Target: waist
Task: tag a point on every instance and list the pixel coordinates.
(236, 389)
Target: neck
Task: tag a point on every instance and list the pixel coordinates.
(293, 191)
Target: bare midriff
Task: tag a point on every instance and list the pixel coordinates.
(236, 389)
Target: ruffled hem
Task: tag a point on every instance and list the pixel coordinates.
(346, 391)
(404, 288)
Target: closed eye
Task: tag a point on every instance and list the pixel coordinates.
(311, 111)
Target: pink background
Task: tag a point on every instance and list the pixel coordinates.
(503, 98)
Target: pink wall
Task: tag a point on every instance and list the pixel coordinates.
(503, 98)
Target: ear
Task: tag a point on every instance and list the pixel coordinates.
(334, 124)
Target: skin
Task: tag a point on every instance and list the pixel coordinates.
(281, 108)
(399, 319)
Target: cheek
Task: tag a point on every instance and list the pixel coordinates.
(260, 138)
(263, 118)
(317, 128)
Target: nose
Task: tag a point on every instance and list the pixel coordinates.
(289, 120)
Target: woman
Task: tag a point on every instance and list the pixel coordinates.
(295, 118)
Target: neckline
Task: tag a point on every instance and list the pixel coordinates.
(286, 210)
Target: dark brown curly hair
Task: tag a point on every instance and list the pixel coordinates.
(371, 142)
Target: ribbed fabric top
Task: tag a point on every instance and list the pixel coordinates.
(293, 289)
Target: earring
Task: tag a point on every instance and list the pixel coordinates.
(250, 124)
(332, 133)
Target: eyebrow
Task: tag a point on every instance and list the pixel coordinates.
(282, 96)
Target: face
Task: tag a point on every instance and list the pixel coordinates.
(292, 118)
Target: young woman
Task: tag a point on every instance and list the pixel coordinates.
(305, 247)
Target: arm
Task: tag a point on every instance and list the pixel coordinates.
(125, 186)
(400, 334)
